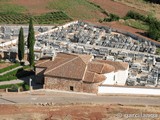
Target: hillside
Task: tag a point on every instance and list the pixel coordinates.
(77, 9)
(61, 11)
(115, 7)
(149, 8)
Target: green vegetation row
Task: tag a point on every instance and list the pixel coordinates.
(19, 18)
(153, 23)
(153, 1)
(23, 85)
(112, 17)
(9, 67)
(101, 9)
(18, 73)
(10, 85)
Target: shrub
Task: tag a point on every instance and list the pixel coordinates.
(153, 23)
(153, 1)
(135, 15)
(11, 85)
(153, 32)
(112, 17)
(26, 87)
(18, 73)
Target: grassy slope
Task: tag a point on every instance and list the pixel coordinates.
(11, 8)
(137, 24)
(142, 5)
(78, 9)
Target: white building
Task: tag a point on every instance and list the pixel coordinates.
(118, 73)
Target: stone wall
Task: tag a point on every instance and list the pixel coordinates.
(63, 84)
(90, 87)
(70, 85)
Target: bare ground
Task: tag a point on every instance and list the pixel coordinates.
(150, 8)
(3, 65)
(72, 112)
(115, 7)
(33, 6)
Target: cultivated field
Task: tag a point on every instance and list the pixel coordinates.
(77, 9)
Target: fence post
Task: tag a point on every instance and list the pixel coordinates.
(19, 90)
(6, 90)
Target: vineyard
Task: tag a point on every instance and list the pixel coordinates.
(20, 18)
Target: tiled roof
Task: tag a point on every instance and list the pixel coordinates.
(92, 77)
(80, 67)
(117, 65)
(100, 68)
(73, 69)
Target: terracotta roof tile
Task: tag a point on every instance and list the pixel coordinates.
(117, 65)
(73, 69)
(99, 78)
(85, 58)
(95, 67)
(91, 77)
(107, 68)
(80, 67)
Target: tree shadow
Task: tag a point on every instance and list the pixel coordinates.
(145, 34)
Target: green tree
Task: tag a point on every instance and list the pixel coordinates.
(31, 42)
(31, 56)
(21, 45)
(154, 32)
(31, 38)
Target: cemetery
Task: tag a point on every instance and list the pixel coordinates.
(101, 42)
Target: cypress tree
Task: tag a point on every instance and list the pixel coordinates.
(31, 56)
(21, 45)
(31, 42)
(30, 39)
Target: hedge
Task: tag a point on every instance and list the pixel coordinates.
(23, 85)
(112, 17)
(9, 67)
(10, 85)
(18, 73)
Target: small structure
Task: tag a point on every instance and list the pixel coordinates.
(80, 73)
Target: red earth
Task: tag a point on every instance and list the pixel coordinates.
(115, 7)
(71, 112)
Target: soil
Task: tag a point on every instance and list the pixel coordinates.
(33, 6)
(115, 7)
(3, 65)
(71, 112)
(150, 8)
